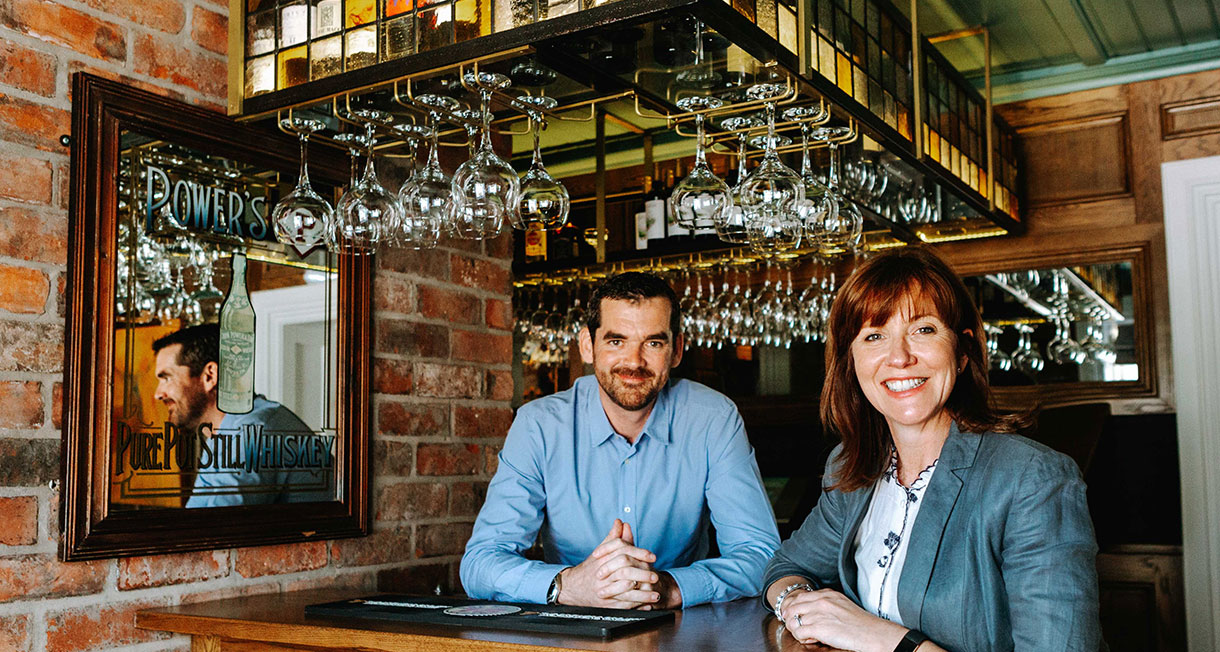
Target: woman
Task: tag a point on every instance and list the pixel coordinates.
(934, 532)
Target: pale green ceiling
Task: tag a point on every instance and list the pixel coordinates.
(1047, 47)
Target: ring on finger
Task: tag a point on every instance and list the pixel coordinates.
(798, 621)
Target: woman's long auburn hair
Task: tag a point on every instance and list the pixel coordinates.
(891, 282)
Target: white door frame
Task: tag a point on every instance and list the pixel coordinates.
(276, 310)
(1191, 191)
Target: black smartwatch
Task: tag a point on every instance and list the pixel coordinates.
(911, 641)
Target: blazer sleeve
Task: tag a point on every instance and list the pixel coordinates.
(813, 550)
(1049, 559)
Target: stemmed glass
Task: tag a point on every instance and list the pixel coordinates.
(840, 222)
(355, 143)
(1026, 357)
(486, 189)
(700, 198)
(544, 200)
(700, 75)
(425, 196)
(731, 227)
(301, 217)
(996, 357)
(815, 191)
(419, 228)
(367, 210)
(770, 192)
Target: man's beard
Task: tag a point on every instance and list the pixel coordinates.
(627, 397)
(189, 415)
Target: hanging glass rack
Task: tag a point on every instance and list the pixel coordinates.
(623, 60)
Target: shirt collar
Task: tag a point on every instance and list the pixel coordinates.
(600, 431)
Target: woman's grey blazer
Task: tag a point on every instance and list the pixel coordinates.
(1002, 553)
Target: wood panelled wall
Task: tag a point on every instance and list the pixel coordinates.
(1092, 163)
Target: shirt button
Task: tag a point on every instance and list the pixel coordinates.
(627, 509)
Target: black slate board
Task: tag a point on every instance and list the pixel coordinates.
(428, 610)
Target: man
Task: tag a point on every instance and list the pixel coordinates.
(622, 475)
(267, 455)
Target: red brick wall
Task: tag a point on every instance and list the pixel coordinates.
(442, 376)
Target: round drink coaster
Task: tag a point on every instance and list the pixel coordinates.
(480, 610)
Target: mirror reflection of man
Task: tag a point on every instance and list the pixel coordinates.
(621, 476)
(187, 374)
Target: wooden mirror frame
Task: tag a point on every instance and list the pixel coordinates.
(1133, 396)
(101, 111)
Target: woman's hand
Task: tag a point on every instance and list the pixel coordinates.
(831, 618)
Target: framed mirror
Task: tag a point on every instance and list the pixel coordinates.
(216, 381)
(1068, 327)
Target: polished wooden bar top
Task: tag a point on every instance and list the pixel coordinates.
(278, 620)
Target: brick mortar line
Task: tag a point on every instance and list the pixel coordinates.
(25, 318)
(29, 434)
(482, 256)
(481, 402)
(450, 285)
(31, 376)
(492, 366)
(415, 399)
(447, 480)
(14, 148)
(45, 210)
(52, 270)
(417, 318)
(56, 101)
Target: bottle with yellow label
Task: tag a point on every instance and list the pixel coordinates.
(535, 244)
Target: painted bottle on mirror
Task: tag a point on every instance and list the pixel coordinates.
(235, 387)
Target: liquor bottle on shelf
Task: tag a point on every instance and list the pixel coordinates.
(235, 386)
(654, 212)
(535, 244)
(564, 243)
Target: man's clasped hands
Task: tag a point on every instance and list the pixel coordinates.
(619, 575)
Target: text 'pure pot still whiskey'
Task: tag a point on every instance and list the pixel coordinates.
(235, 393)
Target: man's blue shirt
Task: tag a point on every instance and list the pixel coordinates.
(251, 485)
(566, 474)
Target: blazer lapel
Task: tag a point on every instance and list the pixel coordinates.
(856, 508)
(956, 457)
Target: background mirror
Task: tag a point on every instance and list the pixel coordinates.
(1059, 324)
(183, 218)
(204, 360)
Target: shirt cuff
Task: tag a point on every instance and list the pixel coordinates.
(694, 585)
(537, 581)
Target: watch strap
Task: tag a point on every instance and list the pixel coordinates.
(911, 641)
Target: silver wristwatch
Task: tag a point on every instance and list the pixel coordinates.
(552, 594)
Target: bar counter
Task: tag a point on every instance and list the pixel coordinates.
(277, 622)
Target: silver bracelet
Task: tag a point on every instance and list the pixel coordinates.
(779, 601)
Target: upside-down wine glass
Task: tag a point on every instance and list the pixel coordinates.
(840, 221)
(418, 229)
(544, 200)
(425, 196)
(770, 192)
(301, 217)
(367, 210)
(732, 227)
(701, 198)
(815, 192)
(486, 189)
